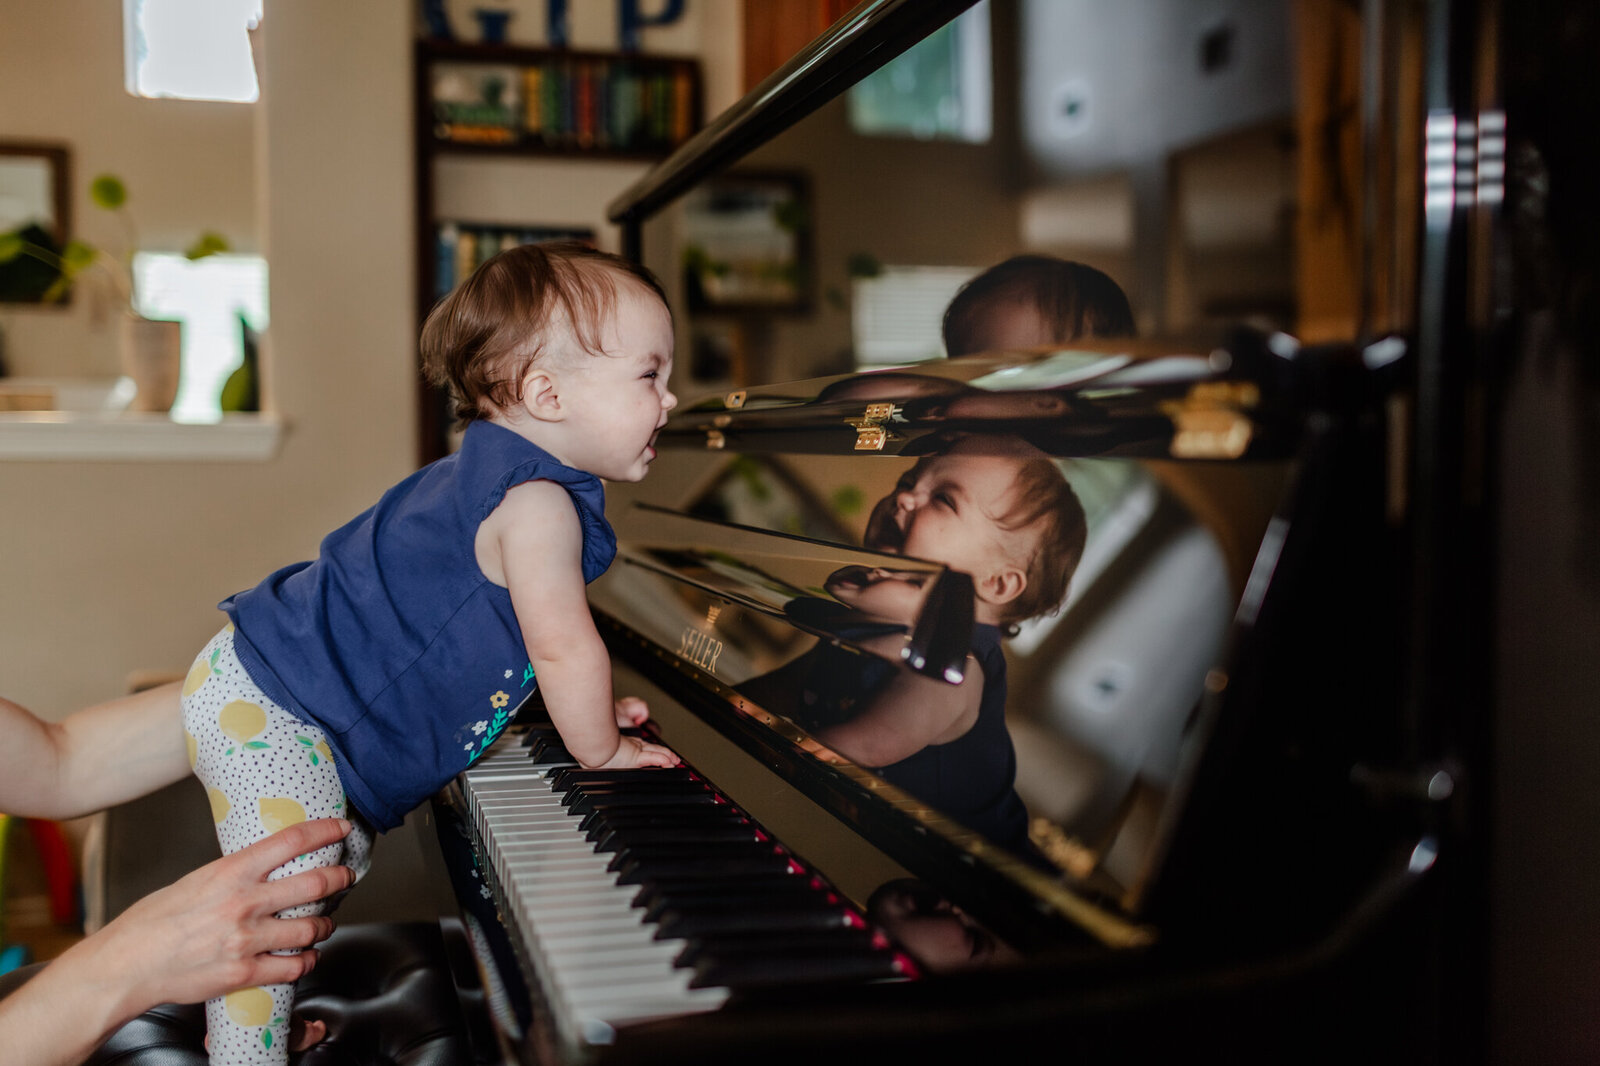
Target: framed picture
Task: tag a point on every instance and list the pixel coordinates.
(34, 218)
(747, 243)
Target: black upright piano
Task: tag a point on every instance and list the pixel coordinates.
(1106, 686)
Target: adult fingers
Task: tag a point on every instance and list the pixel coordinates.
(306, 887)
(280, 969)
(264, 856)
(281, 934)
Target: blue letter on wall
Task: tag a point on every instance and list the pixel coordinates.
(630, 21)
(556, 23)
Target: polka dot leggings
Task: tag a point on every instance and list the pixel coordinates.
(263, 769)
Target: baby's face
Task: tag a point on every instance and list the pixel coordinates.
(946, 509)
(617, 402)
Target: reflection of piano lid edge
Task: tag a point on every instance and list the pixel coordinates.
(1110, 929)
(1114, 361)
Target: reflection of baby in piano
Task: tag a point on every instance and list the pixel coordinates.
(1002, 513)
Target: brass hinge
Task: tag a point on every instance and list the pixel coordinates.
(871, 436)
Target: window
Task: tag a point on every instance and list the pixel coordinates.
(897, 316)
(940, 89)
(216, 299)
(190, 49)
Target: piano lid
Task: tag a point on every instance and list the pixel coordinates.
(1245, 400)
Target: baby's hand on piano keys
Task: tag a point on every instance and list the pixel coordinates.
(633, 752)
(631, 711)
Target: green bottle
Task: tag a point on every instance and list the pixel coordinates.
(242, 390)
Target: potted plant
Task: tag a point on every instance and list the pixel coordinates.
(151, 348)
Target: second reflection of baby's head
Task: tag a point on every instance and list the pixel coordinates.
(1011, 522)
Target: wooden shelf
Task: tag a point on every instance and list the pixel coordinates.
(534, 105)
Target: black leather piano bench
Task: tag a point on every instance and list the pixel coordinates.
(391, 993)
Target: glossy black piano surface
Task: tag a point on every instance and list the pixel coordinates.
(1072, 684)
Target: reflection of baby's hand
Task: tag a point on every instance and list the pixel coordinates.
(633, 752)
(631, 711)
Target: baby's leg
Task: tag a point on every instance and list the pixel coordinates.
(263, 769)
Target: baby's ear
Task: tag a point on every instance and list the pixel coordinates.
(1000, 587)
(541, 395)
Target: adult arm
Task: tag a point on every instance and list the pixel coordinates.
(203, 936)
(100, 756)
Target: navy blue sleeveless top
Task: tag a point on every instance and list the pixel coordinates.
(971, 779)
(393, 641)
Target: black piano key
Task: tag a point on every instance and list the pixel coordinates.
(641, 787)
(694, 814)
(615, 839)
(780, 944)
(654, 871)
(649, 819)
(645, 854)
(762, 970)
(549, 751)
(569, 776)
(675, 888)
(771, 893)
(799, 916)
(612, 800)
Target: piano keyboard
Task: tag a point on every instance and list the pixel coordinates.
(643, 894)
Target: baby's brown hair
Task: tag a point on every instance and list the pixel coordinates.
(479, 341)
(1042, 496)
(1075, 299)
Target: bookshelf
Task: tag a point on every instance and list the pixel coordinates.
(539, 106)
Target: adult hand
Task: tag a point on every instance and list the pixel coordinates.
(214, 930)
(203, 936)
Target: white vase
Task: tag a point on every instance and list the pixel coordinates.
(152, 353)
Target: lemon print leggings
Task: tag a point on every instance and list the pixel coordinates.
(263, 769)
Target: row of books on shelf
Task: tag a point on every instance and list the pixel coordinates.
(565, 102)
(463, 246)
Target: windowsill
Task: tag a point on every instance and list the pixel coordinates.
(126, 436)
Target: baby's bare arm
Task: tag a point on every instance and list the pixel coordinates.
(539, 542)
(906, 715)
(100, 756)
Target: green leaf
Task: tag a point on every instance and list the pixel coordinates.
(847, 499)
(10, 246)
(313, 758)
(863, 265)
(107, 191)
(78, 256)
(304, 740)
(208, 243)
(257, 745)
(266, 1038)
(228, 752)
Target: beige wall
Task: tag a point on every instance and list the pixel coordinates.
(108, 568)
(189, 165)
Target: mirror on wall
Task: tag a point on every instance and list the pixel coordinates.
(35, 222)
